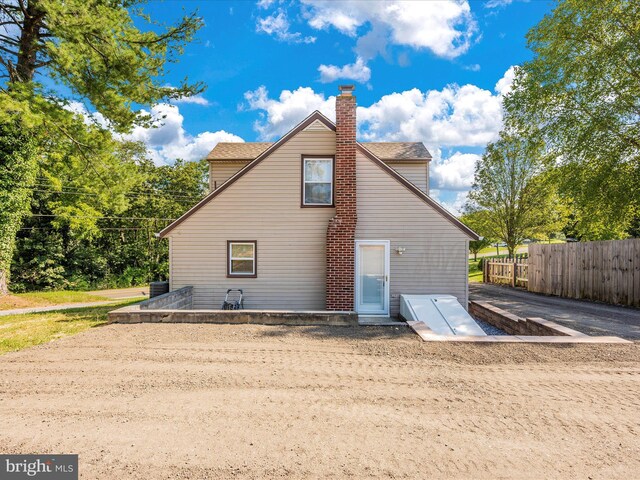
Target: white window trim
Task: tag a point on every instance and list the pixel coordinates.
(305, 181)
(232, 258)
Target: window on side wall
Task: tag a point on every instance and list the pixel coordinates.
(317, 181)
(242, 258)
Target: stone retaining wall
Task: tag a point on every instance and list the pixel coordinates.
(514, 325)
(134, 314)
(176, 300)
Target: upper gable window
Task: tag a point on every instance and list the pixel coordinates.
(317, 181)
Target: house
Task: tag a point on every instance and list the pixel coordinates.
(319, 221)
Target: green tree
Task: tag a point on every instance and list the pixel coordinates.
(477, 221)
(120, 248)
(166, 193)
(582, 91)
(476, 245)
(511, 198)
(17, 168)
(109, 56)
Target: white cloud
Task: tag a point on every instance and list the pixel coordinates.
(278, 25)
(279, 116)
(89, 117)
(166, 140)
(503, 86)
(357, 71)
(265, 3)
(454, 205)
(445, 28)
(455, 172)
(194, 99)
(169, 140)
(473, 68)
(497, 3)
(454, 116)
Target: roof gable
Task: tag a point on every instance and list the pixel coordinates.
(310, 120)
(315, 116)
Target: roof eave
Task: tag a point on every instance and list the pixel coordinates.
(231, 159)
(408, 160)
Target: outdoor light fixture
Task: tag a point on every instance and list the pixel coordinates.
(400, 250)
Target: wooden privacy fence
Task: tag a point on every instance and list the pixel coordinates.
(606, 271)
(509, 271)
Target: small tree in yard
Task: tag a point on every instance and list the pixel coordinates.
(477, 222)
(512, 197)
(476, 245)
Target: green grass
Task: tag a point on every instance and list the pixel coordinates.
(492, 250)
(26, 330)
(475, 274)
(505, 251)
(44, 299)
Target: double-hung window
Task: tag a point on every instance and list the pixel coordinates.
(317, 181)
(242, 258)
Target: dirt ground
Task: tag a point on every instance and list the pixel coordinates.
(215, 401)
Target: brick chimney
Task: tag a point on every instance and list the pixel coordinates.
(342, 227)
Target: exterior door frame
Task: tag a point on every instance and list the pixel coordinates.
(387, 275)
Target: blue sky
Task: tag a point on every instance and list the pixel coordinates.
(424, 71)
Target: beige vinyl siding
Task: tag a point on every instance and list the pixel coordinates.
(416, 172)
(318, 125)
(221, 171)
(262, 205)
(435, 260)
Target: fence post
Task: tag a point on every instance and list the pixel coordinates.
(486, 264)
(515, 271)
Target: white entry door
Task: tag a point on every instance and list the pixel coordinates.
(372, 277)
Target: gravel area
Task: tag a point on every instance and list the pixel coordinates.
(184, 401)
(490, 329)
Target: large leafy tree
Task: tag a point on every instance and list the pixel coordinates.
(512, 198)
(106, 54)
(118, 250)
(582, 91)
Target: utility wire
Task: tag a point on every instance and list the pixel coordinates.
(100, 218)
(131, 194)
(99, 228)
(45, 184)
(176, 198)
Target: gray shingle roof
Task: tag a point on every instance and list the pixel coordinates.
(238, 151)
(382, 150)
(398, 150)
